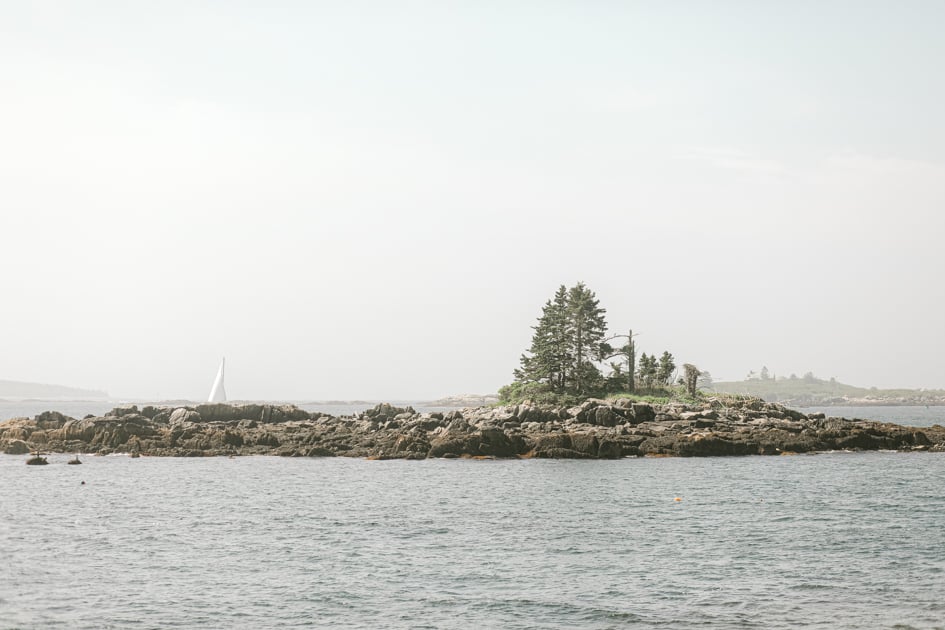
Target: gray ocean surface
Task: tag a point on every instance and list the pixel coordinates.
(835, 540)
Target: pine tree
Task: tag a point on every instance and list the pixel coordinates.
(567, 342)
(548, 362)
(664, 372)
(586, 331)
(647, 370)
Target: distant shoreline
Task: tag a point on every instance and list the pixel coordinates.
(810, 391)
(864, 403)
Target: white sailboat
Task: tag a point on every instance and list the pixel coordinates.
(217, 393)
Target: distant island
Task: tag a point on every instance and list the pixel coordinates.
(810, 391)
(17, 390)
(464, 400)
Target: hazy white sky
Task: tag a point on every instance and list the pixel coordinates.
(356, 199)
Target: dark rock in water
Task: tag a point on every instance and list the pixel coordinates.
(36, 460)
(454, 443)
(547, 442)
(17, 447)
(496, 443)
(609, 449)
(562, 453)
(74, 461)
(585, 443)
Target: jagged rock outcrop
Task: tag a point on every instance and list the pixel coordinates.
(595, 429)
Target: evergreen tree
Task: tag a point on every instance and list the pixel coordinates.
(664, 372)
(549, 358)
(647, 369)
(586, 329)
(568, 340)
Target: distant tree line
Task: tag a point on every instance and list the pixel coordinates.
(765, 375)
(569, 346)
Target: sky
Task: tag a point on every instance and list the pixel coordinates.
(373, 200)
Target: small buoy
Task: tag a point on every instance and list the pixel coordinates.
(677, 499)
(82, 484)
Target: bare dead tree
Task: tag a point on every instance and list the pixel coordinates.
(691, 375)
(629, 352)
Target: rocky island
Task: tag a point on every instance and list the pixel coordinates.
(595, 429)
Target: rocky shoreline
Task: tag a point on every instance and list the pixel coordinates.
(596, 429)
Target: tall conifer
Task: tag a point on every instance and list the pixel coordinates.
(548, 360)
(586, 331)
(664, 372)
(566, 342)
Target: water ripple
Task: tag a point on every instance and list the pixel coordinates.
(830, 541)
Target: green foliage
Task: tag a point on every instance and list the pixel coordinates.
(623, 375)
(540, 393)
(647, 370)
(568, 338)
(660, 395)
(568, 345)
(665, 369)
(654, 399)
(586, 328)
(548, 358)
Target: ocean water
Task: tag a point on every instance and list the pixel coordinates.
(835, 540)
(915, 416)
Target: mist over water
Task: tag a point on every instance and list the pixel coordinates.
(825, 541)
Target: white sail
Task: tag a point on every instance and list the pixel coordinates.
(217, 393)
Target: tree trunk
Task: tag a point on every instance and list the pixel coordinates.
(631, 361)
